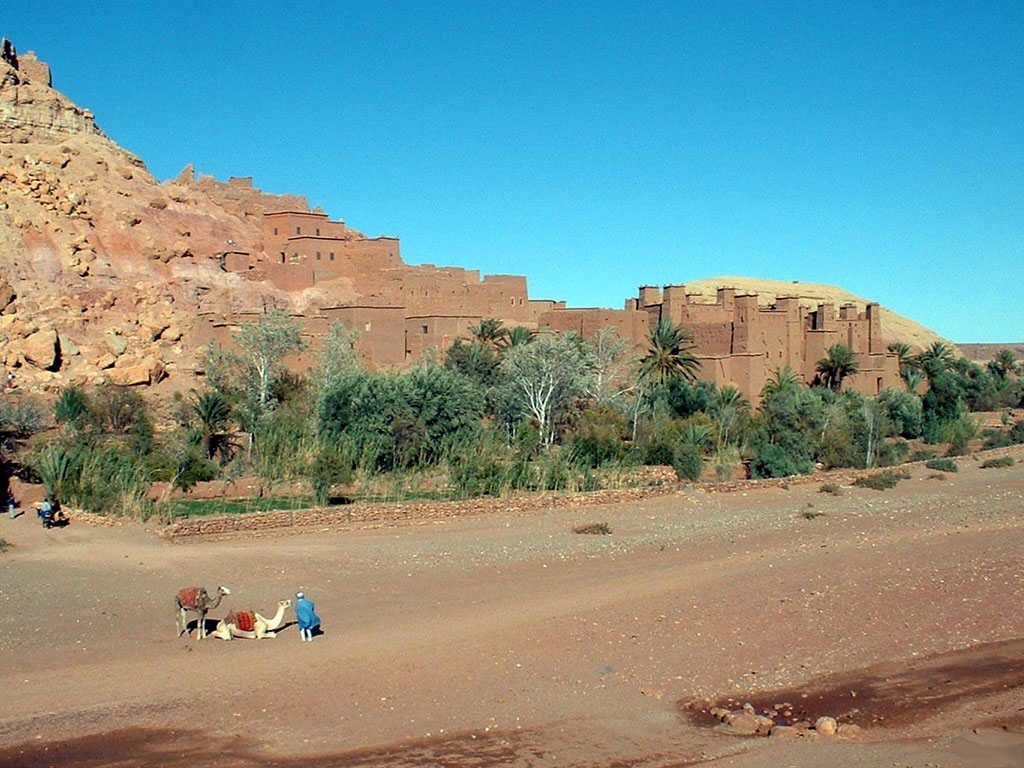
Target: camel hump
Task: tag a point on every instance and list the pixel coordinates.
(189, 597)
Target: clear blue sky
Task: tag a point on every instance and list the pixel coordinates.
(595, 147)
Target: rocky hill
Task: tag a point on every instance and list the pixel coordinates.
(102, 267)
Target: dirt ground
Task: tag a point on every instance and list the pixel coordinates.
(509, 640)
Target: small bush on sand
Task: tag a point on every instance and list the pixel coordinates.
(943, 465)
(4, 544)
(936, 476)
(598, 529)
(922, 455)
(1002, 461)
(881, 481)
(831, 488)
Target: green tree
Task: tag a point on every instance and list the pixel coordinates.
(337, 354)
(1005, 364)
(783, 379)
(212, 410)
(517, 336)
(838, 363)
(543, 377)
(669, 355)
(489, 331)
(474, 360)
(730, 413)
(937, 357)
(263, 345)
(610, 364)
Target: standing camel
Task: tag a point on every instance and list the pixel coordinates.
(196, 600)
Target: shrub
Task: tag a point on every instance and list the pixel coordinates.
(903, 409)
(882, 480)
(598, 438)
(831, 488)
(922, 455)
(1002, 461)
(773, 461)
(943, 465)
(21, 416)
(998, 438)
(688, 462)
(598, 529)
(959, 434)
(72, 407)
(891, 452)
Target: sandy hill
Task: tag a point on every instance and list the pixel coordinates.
(895, 327)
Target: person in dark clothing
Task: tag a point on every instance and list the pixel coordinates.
(305, 612)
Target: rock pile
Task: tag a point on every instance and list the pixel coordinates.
(779, 721)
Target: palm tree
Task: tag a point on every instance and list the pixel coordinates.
(1004, 364)
(517, 336)
(937, 352)
(902, 351)
(782, 380)
(907, 363)
(489, 331)
(728, 410)
(213, 411)
(838, 363)
(669, 355)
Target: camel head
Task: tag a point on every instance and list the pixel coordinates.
(222, 591)
(284, 603)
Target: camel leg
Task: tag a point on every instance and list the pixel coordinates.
(201, 627)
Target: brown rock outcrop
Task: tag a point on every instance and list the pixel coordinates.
(42, 349)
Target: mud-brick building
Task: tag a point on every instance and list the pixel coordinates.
(402, 312)
(742, 343)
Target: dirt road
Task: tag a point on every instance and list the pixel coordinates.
(510, 640)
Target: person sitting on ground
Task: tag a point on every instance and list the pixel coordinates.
(305, 612)
(46, 512)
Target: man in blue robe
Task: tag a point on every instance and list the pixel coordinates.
(305, 612)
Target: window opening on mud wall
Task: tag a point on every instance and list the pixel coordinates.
(295, 256)
(318, 255)
(275, 230)
(318, 231)
(878, 385)
(298, 230)
(425, 329)
(282, 257)
(368, 327)
(331, 256)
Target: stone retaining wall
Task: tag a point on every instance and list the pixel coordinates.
(362, 514)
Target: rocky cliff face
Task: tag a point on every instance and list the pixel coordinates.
(103, 270)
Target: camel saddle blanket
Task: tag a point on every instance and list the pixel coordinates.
(189, 596)
(243, 620)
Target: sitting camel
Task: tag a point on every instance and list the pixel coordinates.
(250, 624)
(196, 600)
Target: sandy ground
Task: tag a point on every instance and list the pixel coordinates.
(510, 640)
